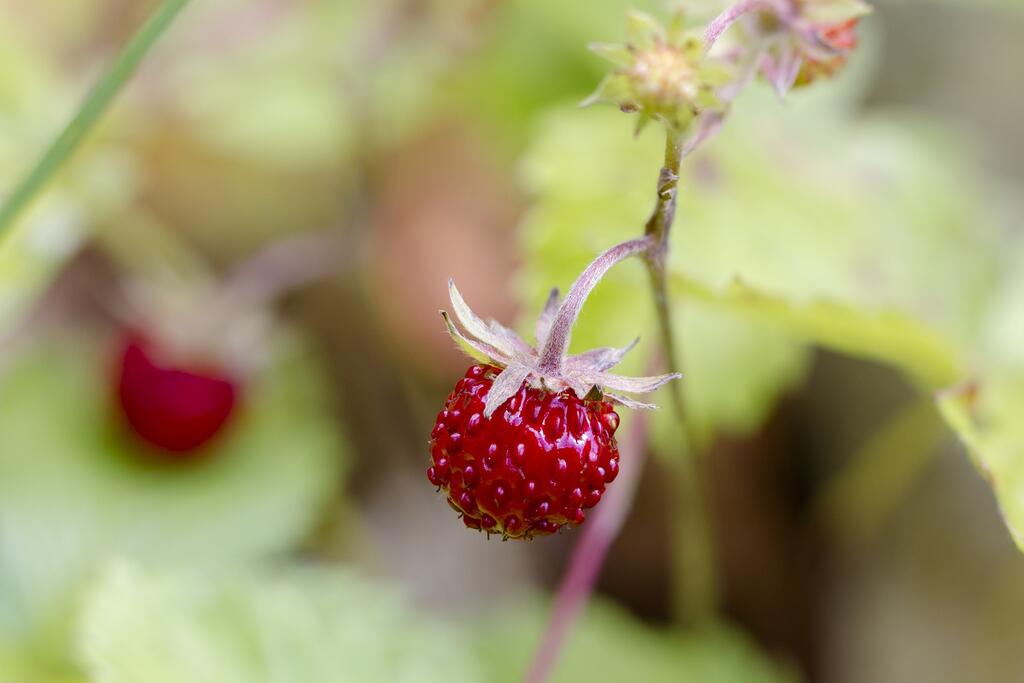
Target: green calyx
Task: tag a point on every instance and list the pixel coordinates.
(663, 73)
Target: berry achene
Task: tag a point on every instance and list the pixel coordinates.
(535, 465)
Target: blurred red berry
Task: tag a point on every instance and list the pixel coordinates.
(534, 466)
(175, 408)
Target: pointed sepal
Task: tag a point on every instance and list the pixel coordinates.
(504, 387)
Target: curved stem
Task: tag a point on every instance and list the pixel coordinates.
(731, 14)
(589, 553)
(283, 266)
(557, 343)
(95, 104)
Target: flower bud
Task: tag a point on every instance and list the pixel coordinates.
(811, 42)
(838, 40)
(663, 74)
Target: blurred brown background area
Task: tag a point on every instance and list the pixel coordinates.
(931, 588)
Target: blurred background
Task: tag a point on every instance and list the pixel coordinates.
(277, 200)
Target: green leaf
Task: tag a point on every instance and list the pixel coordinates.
(76, 488)
(21, 666)
(987, 417)
(609, 646)
(1000, 339)
(986, 410)
(878, 218)
(735, 367)
(314, 626)
(887, 336)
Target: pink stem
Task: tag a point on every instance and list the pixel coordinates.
(588, 555)
(277, 269)
(708, 126)
(557, 343)
(285, 265)
(729, 16)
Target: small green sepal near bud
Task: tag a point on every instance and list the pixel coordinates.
(663, 73)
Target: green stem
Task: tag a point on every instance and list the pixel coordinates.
(694, 580)
(92, 109)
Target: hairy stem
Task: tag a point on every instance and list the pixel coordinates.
(729, 16)
(88, 114)
(589, 553)
(561, 327)
(694, 581)
(694, 555)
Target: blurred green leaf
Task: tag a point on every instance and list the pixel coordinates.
(314, 626)
(320, 625)
(24, 666)
(887, 336)
(879, 214)
(735, 367)
(1000, 336)
(987, 417)
(608, 646)
(986, 410)
(262, 86)
(532, 55)
(75, 488)
(271, 115)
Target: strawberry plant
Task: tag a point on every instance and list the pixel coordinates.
(174, 456)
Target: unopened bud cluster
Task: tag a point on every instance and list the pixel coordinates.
(664, 78)
(673, 76)
(663, 74)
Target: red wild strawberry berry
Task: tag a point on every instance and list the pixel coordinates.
(525, 443)
(842, 38)
(174, 408)
(537, 464)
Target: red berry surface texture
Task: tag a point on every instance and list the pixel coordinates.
(174, 408)
(537, 464)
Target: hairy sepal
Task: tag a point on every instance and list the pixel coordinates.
(471, 347)
(505, 386)
(584, 374)
(599, 360)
